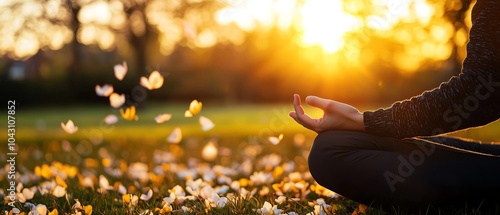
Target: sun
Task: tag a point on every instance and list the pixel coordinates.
(321, 22)
(324, 23)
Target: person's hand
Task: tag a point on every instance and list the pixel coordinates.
(337, 115)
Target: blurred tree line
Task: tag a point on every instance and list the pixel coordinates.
(56, 51)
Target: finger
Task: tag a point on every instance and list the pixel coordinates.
(296, 104)
(318, 102)
(305, 120)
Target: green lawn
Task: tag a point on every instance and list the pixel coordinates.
(245, 156)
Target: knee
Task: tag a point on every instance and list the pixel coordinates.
(328, 151)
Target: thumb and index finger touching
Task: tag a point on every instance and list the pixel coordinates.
(300, 116)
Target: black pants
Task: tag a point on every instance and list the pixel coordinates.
(409, 174)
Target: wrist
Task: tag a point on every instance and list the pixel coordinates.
(360, 123)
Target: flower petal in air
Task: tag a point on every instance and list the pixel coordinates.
(275, 140)
(104, 91)
(110, 119)
(155, 81)
(69, 127)
(175, 136)
(206, 123)
(163, 118)
(129, 113)
(116, 100)
(120, 70)
(194, 108)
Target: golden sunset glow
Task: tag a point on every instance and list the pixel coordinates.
(419, 27)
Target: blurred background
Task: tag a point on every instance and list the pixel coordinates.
(230, 51)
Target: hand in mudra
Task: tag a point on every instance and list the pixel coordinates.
(337, 115)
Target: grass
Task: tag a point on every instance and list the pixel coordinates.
(240, 133)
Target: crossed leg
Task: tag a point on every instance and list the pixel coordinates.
(410, 174)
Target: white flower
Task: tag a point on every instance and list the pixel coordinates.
(259, 178)
(104, 184)
(280, 199)
(148, 196)
(138, 170)
(217, 201)
(59, 191)
(268, 209)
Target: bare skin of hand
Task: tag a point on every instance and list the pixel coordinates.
(336, 115)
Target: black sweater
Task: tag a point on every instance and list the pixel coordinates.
(470, 99)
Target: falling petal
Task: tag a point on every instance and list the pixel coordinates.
(69, 127)
(104, 91)
(163, 118)
(116, 100)
(175, 136)
(121, 70)
(209, 151)
(155, 81)
(110, 119)
(206, 123)
(129, 113)
(276, 140)
(194, 108)
(148, 196)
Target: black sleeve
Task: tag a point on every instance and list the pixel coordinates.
(470, 99)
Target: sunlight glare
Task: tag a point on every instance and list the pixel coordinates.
(324, 23)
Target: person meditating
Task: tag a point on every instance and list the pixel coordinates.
(394, 158)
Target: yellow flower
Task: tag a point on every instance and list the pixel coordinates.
(61, 182)
(129, 113)
(126, 198)
(194, 108)
(87, 209)
(54, 212)
(44, 171)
